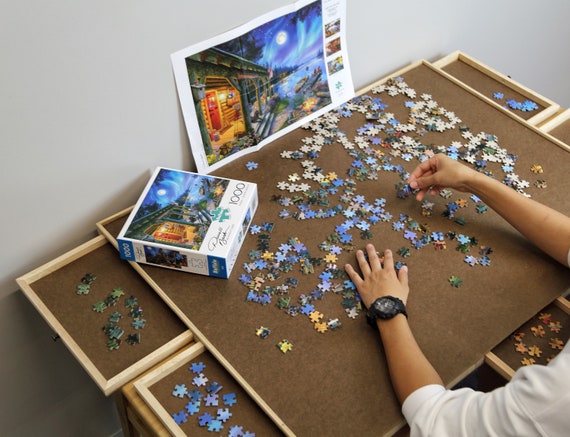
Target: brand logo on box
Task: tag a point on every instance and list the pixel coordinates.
(238, 193)
(220, 239)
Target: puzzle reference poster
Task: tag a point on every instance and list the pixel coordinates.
(242, 89)
(189, 222)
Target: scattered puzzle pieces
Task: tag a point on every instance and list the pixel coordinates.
(197, 367)
(251, 165)
(112, 329)
(455, 281)
(538, 331)
(99, 307)
(201, 405)
(285, 346)
(83, 289)
(229, 399)
(89, 278)
(263, 332)
(180, 417)
(533, 353)
(556, 343)
(180, 390)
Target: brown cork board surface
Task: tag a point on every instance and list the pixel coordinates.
(336, 383)
(488, 86)
(548, 330)
(562, 132)
(75, 312)
(245, 413)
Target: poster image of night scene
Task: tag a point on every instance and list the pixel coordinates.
(176, 209)
(251, 87)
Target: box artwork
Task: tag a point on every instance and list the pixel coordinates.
(189, 222)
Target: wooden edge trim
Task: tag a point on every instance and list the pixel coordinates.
(556, 121)
(563, 304)
(499, 366)
(142, 385)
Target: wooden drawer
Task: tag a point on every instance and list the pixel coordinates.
(488, 81)
(537, 341)
(87, 315)
(196, 389)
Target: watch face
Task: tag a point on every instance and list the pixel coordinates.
(387, 307)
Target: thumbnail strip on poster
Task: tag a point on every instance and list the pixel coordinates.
(242, 89)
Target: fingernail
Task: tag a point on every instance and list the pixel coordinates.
(414, 184)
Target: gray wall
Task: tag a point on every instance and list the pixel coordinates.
(88, 107)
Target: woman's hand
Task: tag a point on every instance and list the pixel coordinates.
(378, 277)
(439, 172)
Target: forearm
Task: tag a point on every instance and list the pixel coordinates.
(547, 228)
(409, 368)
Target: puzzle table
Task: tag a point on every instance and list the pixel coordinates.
(329, 189)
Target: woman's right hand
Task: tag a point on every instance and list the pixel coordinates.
(440, 172)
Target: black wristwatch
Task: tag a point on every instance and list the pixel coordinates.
(385, 308)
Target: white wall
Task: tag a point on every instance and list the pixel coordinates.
(88, 107)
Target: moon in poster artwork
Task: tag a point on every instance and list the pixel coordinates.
(161, 192)
(281, 37)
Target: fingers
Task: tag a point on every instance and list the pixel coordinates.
(373, 258)
(388, 259)
(424, 178)
(372, 262)
(363, 263)
(403, 276)
(354, 277)
(423, 169)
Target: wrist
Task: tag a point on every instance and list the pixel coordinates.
(398, 319)
(386, 308)
(477, 183)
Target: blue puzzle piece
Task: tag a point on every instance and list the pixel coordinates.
(224, 414)
(204, 419)
(200, 380)
(193, 407)
(214, 387)
(197, 368)
(211, 400)
(180, 390)
(215, 425)
(235, 431)
(194, 395)
(229, 399)
(180, 417)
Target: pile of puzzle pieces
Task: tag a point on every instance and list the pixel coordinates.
(203, 399)
(382, 144)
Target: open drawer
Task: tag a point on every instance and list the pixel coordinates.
(106, 314)
(498, 87)
(536, 342)
(192, 394)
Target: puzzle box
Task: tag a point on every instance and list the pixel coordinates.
(189, 222)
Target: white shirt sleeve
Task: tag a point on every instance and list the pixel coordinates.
(535, 402)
